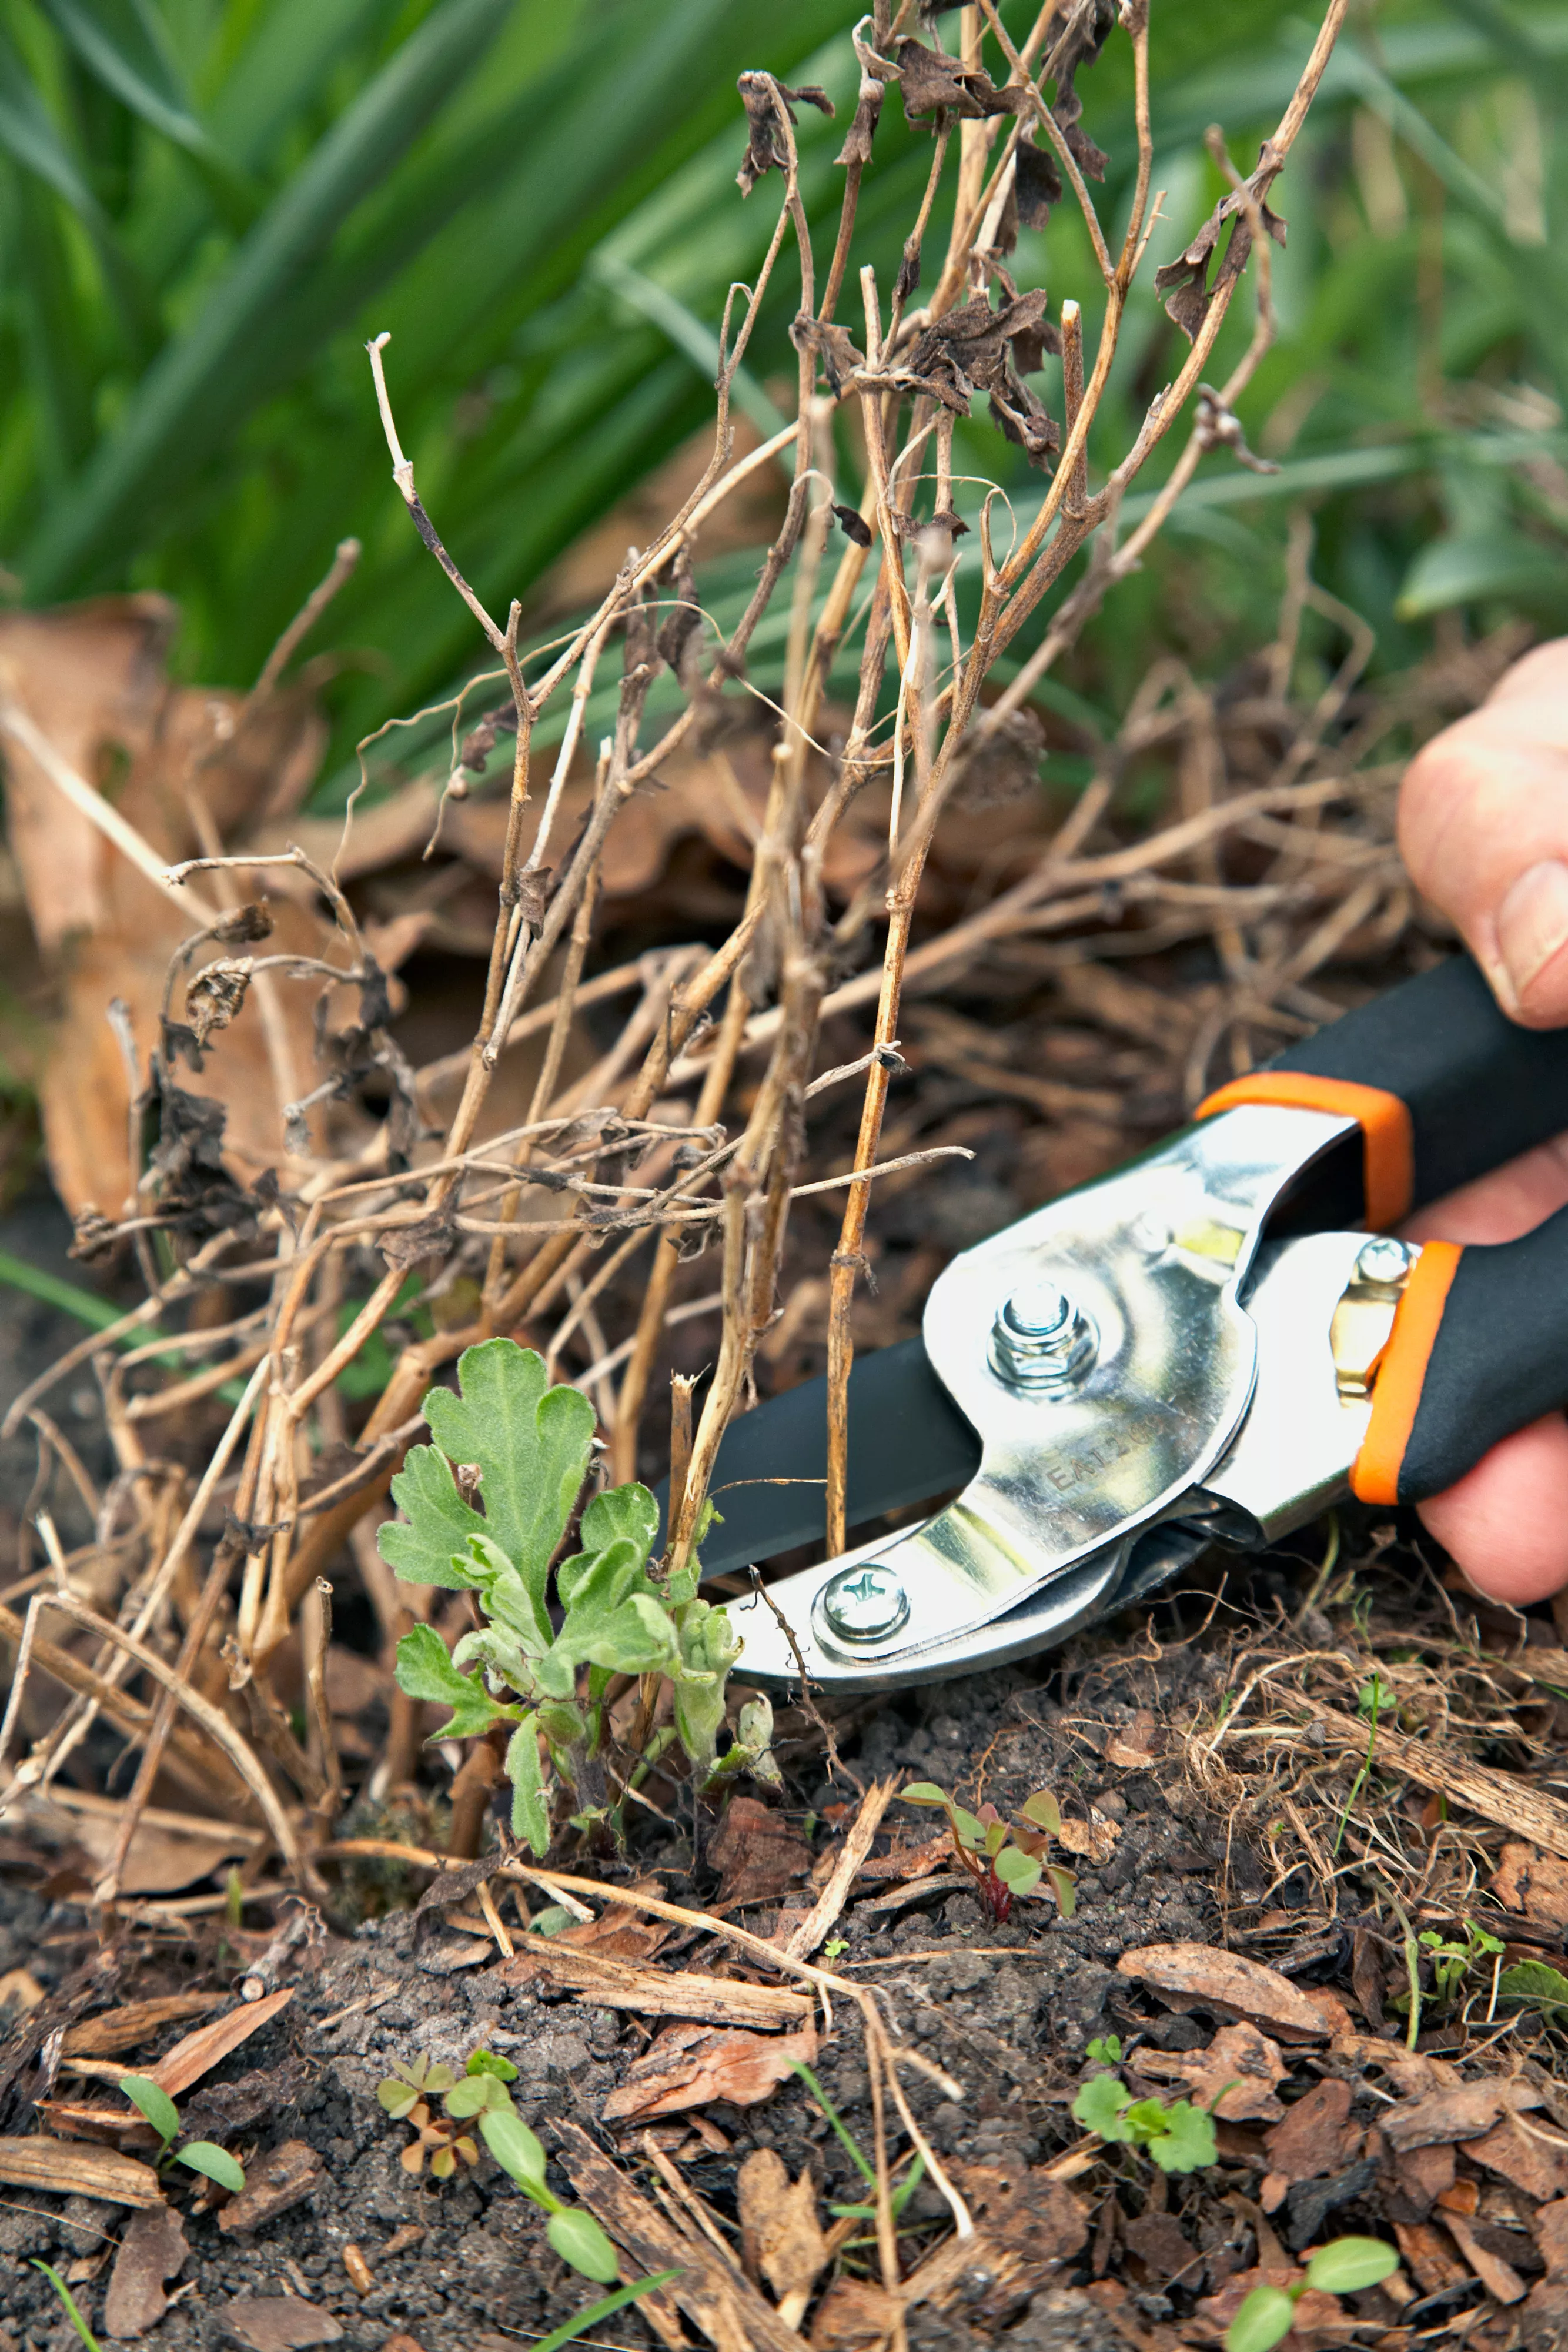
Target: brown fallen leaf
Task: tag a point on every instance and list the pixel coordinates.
(1093, 1841)
(1317, 2137)
(71, 2171)
(135, 2022)
(1239, 2056)
(908, 1861)
(1535, 1884)
(1526, 2161)
(274, 2182)
(690, 2065)
(151, 2252)
(757, 1854)
(1137, 1747)
(781, 2236)
(1421, 2174)
(1199, 1976)
(659, 1992)
(1460, 2112)
(1498, 2277)
(276, 2323)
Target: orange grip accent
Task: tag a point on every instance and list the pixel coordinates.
(1402, 1370)
(1389, 1181)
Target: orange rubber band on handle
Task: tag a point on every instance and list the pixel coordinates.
(1388, 1143)
(1402, 1373)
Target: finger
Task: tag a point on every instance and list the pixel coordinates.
(1483, 829)
(1505, 1523)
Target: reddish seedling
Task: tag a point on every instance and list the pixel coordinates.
(1005, 1859)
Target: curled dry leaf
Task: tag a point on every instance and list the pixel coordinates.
(1240, 2057)
(781, 2238)
(690, 2065)
(1200, 1977)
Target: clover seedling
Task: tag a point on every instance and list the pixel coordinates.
(481, 2093)
(202, 2156)
(1003, 1858)
(1341, 2268)
(1179, 2137)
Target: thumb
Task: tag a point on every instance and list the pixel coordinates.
(1483, 829)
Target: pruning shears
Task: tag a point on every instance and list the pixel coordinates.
(1208, 1346)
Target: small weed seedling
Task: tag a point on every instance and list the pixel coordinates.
(480, 2093)
(202, 2156)
(1179, 2137)
(1003, 1858)
(1342, 2268)
(524, 1451)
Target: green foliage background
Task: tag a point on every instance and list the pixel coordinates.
(206, 205)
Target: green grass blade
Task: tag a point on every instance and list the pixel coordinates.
(70, 2301)
(605, 2308)
(187, 402)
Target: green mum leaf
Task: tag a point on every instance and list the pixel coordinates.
(433, 1548)
(531, 1814)
(425, 1671)
(531, 1443)
(621, 1514)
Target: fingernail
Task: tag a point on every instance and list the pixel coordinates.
(1532, 931)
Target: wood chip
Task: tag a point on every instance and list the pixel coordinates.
(151, 2252)
(194, 2056)
(1240, 2057)
(273, 2183)
(806, 1937)
(1498, 2277)
(1461, 2113)
(69, 2170)
(1428, 2257)
(1230, 1985)
(709, 2290)
(136, 2022)
(276, 2323)
(362, 2278)
(692, 2066)
(1552, 2236)
(597, 1977)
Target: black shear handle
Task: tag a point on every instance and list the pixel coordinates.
(1447, 1088)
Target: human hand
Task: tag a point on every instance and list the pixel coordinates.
(1483, 828)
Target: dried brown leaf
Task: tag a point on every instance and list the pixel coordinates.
(690, 2065)
(756, 1853)
(151, 2252)
(1317, 2137)
(1463, 2111)
(928, 80)
(1239, 2056)
(1526, 2161)
(1183, 281)
(1498, 2277)
(780, 2235)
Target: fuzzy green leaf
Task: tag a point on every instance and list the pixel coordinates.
(1187, 2142)
(515, 2147)
(425, 1671)
(621, 1514)
(1347, 2264)
(1262, 2321)
(578, 2240)
(1099, 2106)
(530, 1813)
(154, 2103)
(206, 2156)
(433, 1548)
(530, 1443)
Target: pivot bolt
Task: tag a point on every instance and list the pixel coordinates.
(1384, 1262)
(1041, 1338)
(865, 1604)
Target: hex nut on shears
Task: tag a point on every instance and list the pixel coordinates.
(1041, 1338)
